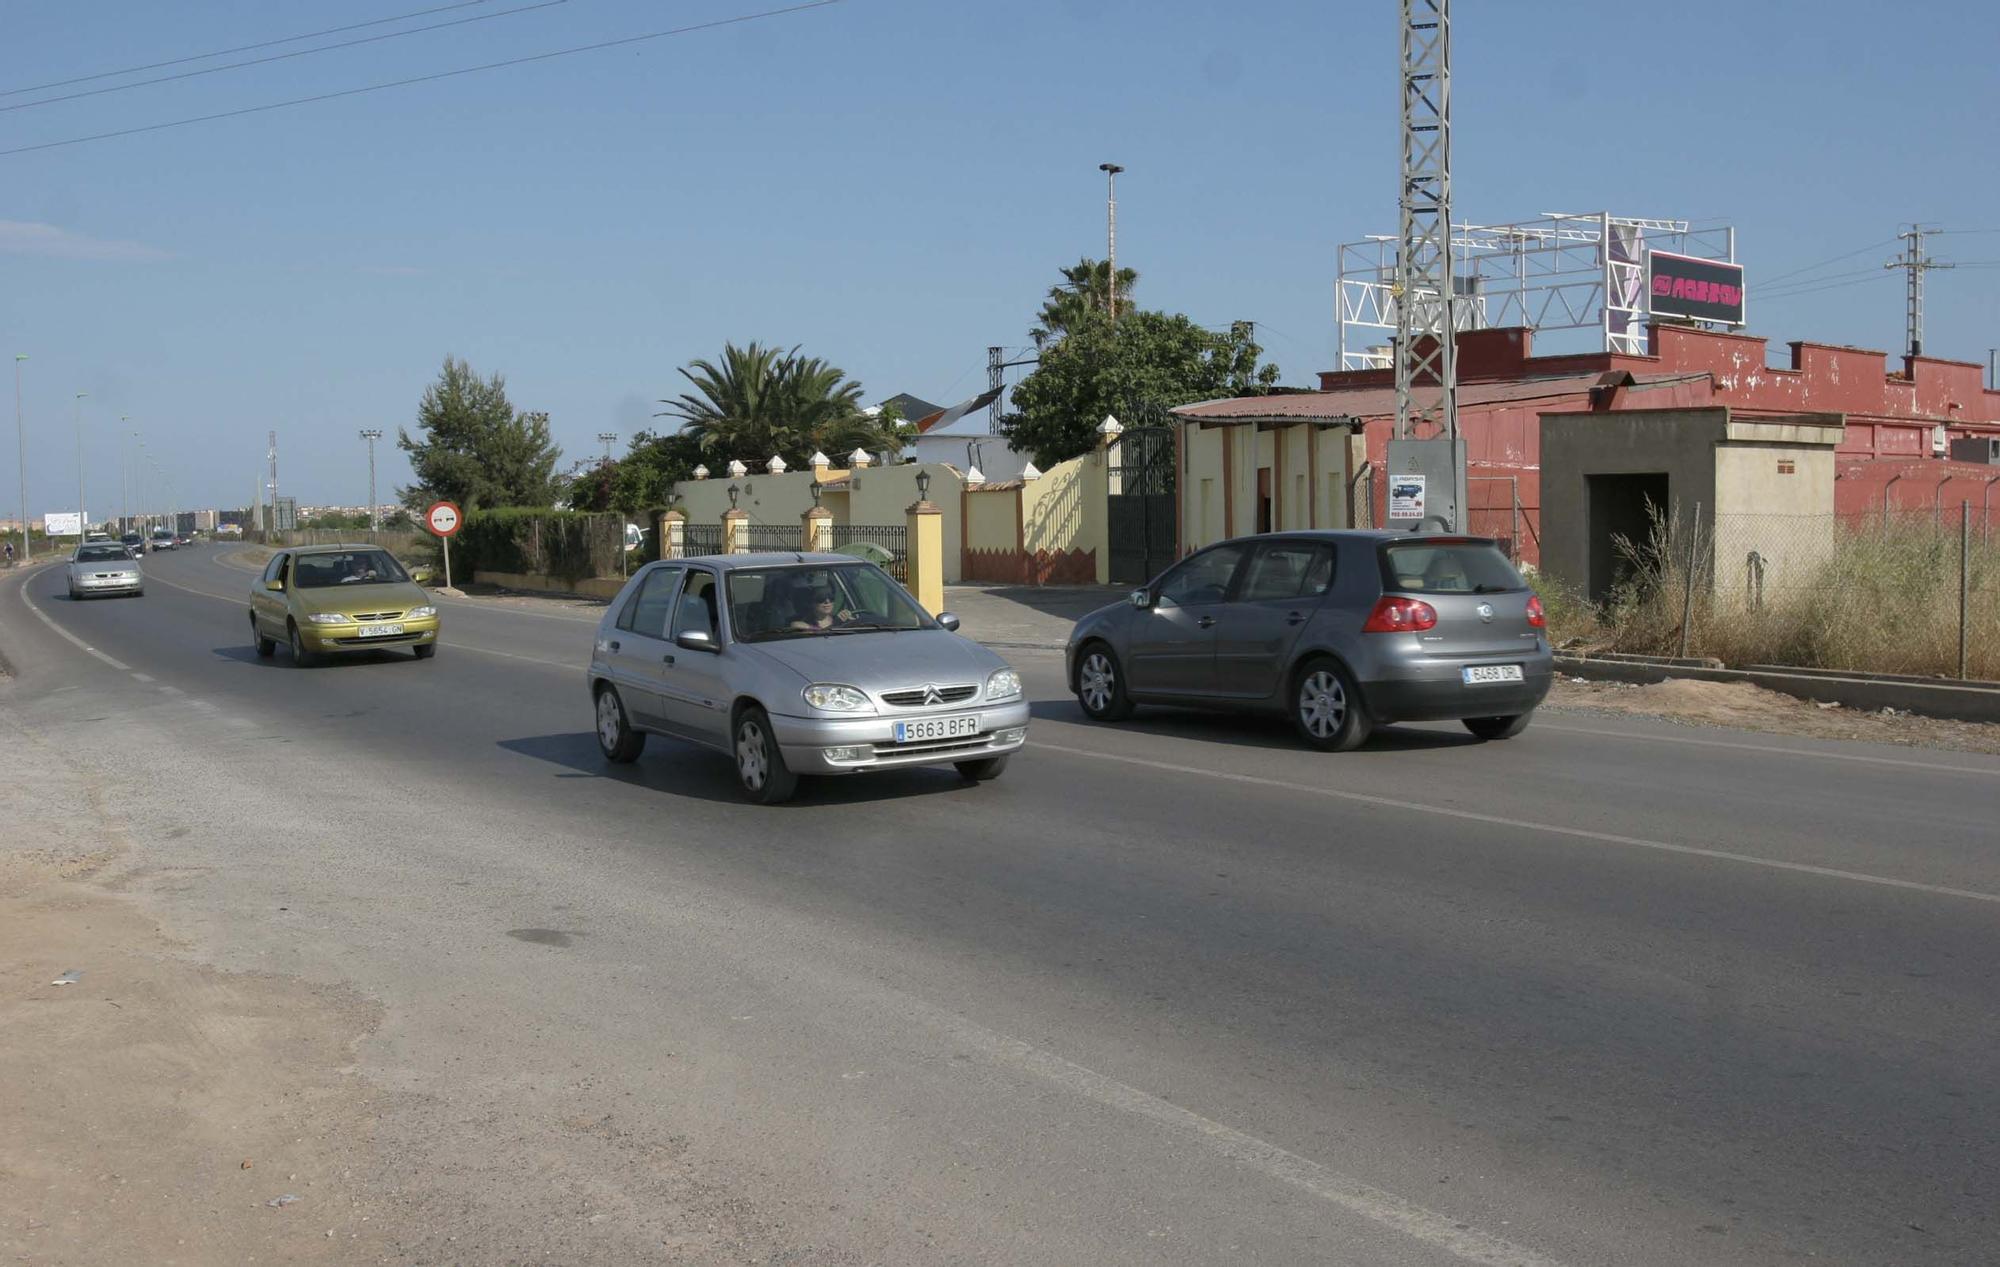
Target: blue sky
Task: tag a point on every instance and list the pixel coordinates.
(891, 183)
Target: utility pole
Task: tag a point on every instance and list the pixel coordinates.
(1111, 171)
(1915, 264)
(21, 439)
(996, 378)
(1426, 461)
(82, 518)
(271, 452)
(125, 479)
(371, 435)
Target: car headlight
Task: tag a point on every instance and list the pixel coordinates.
(328, 618)
(834, 698)
(1004, 684)
(420, 613)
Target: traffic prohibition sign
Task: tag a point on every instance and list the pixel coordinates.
(443, 519)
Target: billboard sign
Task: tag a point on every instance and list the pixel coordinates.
(63, 523)
(1702, 290)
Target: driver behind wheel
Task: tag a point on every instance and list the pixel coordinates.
(817, 611)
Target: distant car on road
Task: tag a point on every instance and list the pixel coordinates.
(162, 539)
(1340, 631)
(798, 664)
(133, 543)
(104, 567)
(335, 600)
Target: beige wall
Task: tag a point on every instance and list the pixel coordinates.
(1064, 511)
(882, 495)
(767, 499)
(1785, 519)
(989, 519)
(1309, 479)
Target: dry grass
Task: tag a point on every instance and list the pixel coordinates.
(1870, 597)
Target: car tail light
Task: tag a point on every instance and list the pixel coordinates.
(1400, 615)
(1537, 618)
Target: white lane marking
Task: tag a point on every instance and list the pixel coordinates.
(141, 677)
(120, 665)
(1578, 833)
(1377, 1205)
(1903, 762)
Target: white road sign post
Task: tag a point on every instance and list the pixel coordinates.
(62, 523)
(443, 519)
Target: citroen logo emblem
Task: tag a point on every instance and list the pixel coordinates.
(931, 695)
(1485, 611)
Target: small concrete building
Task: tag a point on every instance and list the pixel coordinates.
(1759, 489)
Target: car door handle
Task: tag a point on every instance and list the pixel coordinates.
(666, 659)
(1206, 622)
(613, 644)
(1295, 618)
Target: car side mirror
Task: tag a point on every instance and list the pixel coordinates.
(947, 622)
(695, 640)
(276, 587)
(1141, 599)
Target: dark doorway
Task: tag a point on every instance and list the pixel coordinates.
(1620, 506)
(1263, 499)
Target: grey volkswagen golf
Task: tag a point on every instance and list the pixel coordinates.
(1342, 631)
(798, 664)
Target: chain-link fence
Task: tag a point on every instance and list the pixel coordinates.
(1910, 592)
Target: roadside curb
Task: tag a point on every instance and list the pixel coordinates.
(1952, 701)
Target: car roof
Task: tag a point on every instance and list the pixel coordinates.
(339, 549)
(1366, 535)
(765, 559)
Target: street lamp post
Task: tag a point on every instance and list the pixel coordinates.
(82, 527)
(21, 438)
(1111, 171)
(371, 435)
(125, 479)
(609, 438)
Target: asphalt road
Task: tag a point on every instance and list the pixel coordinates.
(1171, 992)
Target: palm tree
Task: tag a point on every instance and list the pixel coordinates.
(763, 400)
(1085, 288)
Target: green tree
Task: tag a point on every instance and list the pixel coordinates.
(758, 401)
(475, 449)
(1084, 289)
(1146, 361)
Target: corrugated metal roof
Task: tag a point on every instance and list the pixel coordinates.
(1380, 402)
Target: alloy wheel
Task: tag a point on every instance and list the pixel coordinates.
(752, 761)
(610, 724)
(1322, 704)
(1096, 682)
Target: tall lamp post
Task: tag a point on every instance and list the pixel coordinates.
(125, 478)
(21, 438)
(371, 435)
(1111, 171)
(610, 438)
(82, 527)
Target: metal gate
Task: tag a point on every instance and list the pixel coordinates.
(1140, 513)
(698, 540)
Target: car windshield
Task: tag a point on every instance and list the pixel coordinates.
(350, 567)
(819, 601)
(1448, 567)
(102, 554)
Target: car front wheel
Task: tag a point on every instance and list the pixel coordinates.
(1100, 685)
(1497, 727)
(1326, 709)
(301, 658)
(760, 767)
(983, 770)
(425, 650)
(615, 736)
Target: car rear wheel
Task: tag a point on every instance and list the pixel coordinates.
(425, 651)
(1326, 709)
(615, 736)
(301, 658)
(983, 770)
(760, 767)
(1497, 727)
(1100, 685)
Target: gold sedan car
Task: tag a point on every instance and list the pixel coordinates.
(331, 600)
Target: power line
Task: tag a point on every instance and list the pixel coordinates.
(1814, 281)
(425, 79)
(241, 48)
(280, 57)
(1872, 246)
(1814, 290)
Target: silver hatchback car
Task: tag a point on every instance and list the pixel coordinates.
(1342, 631)
(798, 664)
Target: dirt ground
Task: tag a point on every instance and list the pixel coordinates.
(156, 1111)
(1741, 706)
